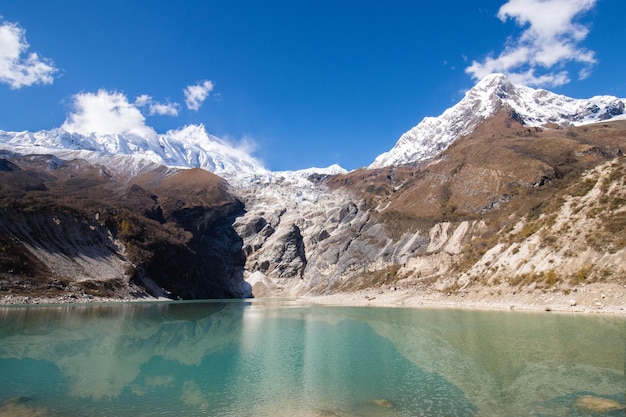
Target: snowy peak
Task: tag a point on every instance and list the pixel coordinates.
(538, 107)
(496, 84)
(333, 169)
(193, 146)
(535, 107)
(189, 147)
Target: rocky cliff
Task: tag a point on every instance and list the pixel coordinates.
(508, 208)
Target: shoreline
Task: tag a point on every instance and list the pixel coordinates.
(595, 298)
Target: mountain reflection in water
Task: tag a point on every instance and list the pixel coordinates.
(273, 358)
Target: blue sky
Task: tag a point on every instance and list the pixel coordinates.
(302, 83)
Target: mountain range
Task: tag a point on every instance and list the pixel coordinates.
(193, 147)
(496, 180)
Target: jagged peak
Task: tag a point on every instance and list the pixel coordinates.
(492, 81)
(494, 87)
(191, 129)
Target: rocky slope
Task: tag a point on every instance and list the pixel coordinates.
(546, 213)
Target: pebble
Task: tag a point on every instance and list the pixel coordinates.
(383, 403)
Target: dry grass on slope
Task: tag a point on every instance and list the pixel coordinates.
(577, 242)
(478, 177)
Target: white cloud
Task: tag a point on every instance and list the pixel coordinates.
(248, 145)
(106, 113)
(551, 39)
(143, 100)
(154, 107)
(196, 94)
(164, 109)
(18, 68)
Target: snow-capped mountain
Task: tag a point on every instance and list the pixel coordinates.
(535, 107)
(129, 154)
(189, 147)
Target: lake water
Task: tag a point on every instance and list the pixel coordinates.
(285, 358)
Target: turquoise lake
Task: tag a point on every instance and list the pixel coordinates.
(287, 358)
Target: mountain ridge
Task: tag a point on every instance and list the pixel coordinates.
(535, 107)
(188, 147)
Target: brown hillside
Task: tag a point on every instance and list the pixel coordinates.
(503, 168)
(173, 227)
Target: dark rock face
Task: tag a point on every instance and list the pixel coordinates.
(291, 257)
(614, 109)
(209, 265)
(7, 166)
(284, 256)
(50, 253)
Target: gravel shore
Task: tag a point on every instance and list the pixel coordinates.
(590, 298)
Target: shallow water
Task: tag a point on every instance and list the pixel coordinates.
(284, 358)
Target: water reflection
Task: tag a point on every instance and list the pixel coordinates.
(101, 349)
(515, 363)
(284, 358)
